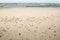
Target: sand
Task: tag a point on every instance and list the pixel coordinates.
(30, 24)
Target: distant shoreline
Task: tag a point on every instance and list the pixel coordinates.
(14, 5)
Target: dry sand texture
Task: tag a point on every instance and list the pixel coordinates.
(30, 24)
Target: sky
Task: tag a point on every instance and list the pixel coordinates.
(29, 1)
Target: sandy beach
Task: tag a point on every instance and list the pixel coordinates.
(30, 23)
(33, 11)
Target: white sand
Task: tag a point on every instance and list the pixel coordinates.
(30, 24)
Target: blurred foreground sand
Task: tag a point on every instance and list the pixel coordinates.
(30, 24)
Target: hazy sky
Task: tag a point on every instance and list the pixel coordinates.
(26, 1)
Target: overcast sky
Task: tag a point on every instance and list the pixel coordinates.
(30, 1)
